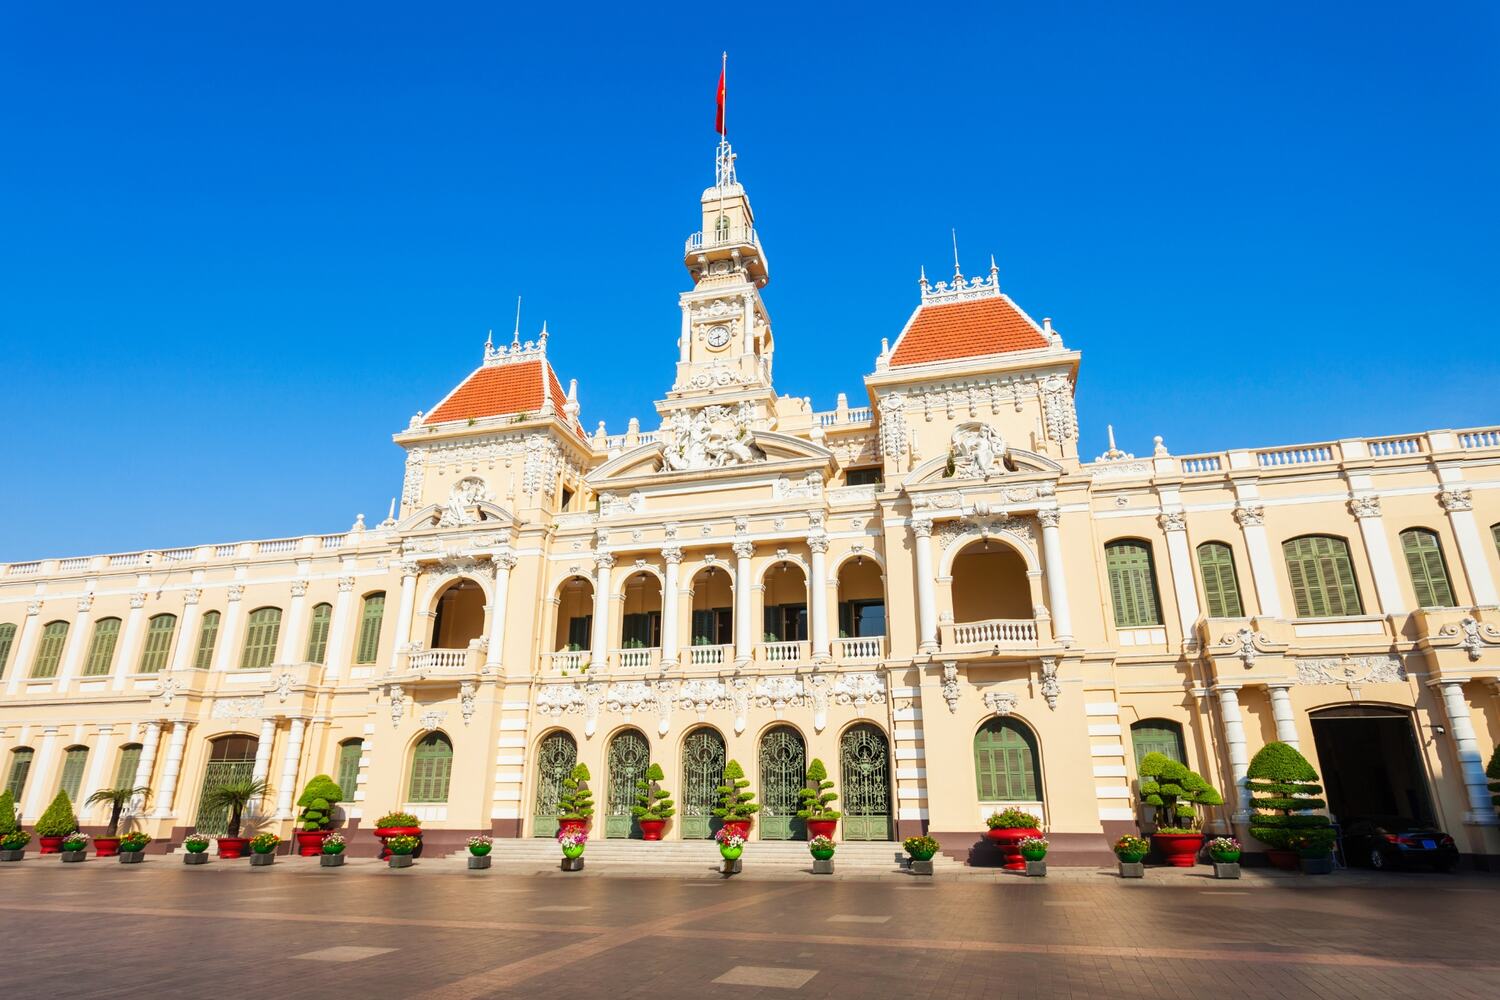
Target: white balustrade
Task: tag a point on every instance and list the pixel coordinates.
(1383, 447)
(332, 541)
(708, 656)
(126, 559)
(23, 569)
(1192, 464)
(1307, 454)
(177, 555)
(719, 238)
(275, 545)
(853, 415)
(995, 631)
(865, 647)
(640, 657)
(225, 551)
(77, 562)
(568, 660)
(784, 652)
(1483, 437)
(455, 660)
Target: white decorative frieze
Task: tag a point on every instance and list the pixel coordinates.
(1455, 499)
(1057, 408)
(809, 487)
(1351, 670)
(235, 709)
(612, 503)
(859, 689)
(893, 434)
(700, 694)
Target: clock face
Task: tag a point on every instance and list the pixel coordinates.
(718, 337)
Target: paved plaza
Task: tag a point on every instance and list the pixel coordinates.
(161, 929)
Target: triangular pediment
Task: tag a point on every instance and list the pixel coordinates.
(758, 453)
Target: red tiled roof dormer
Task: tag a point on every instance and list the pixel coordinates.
(952, 330)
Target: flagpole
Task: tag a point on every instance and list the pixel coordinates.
(724, 75)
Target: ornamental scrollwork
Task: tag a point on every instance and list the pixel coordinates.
(1475, 635)
(1456, 499)
(1051, 688)
(1365, 506)
(859, 689)
(1002, 703)
(1251, 515)
(1348, 669)
(950, 685)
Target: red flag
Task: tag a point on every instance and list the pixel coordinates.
(719, 117)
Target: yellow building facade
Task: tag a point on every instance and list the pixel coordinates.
(933, 592)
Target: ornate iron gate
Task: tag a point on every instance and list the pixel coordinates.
(232, 758)
(783, 773)
(865, 772)
(702, 772)
(555, 758)
(629, 756)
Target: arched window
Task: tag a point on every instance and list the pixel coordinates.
(348, 777)
(208, 633)
(1132, 583)
(370, 616)
(49, 650)
(1322, 577)
(20, 767)
(158, 643)
(1429, 572)
(1005, 762)
(317, 633)
(130, 761)
(1221, 587)
(101, 654)
(71, 779)
(1161, 736)
(7, 639)
(260, 639)
(431, 767)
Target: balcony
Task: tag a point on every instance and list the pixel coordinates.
(445, 661)
(735, 236)
(783, 652)
(868, 647)
(991, 635)
(568, 661)
(637, 658)
(709, 656)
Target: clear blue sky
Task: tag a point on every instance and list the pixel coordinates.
(241, 247)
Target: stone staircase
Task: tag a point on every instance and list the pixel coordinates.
(873, 857)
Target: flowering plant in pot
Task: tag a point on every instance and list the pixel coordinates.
(132, 845)
(75, 846)
(56, 823)
(1033, 848)
(736, 803)
(1175, 795)
(263, 849)
(822, 847)
(117, 799)
(575, 803)
(397, 824)
(332, 849)
(1283, 792)
(572, 843)
(653, 804)
(480, 845)
(816, 795)
(196, 843)
(317, 802)
(1130, 849)
(1224, 850)
(235, 796)
(731, 843)
(1007, 829)
(13, 845)
(920, 848)
(402, 844)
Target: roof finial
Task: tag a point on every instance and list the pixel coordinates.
(515, 340)
(542, 337)
(994, 269)
(489, 340)
(957, 272)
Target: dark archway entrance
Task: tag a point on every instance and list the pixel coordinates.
(1370, 763)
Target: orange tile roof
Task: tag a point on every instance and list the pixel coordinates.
(965, 330)
(499, 390)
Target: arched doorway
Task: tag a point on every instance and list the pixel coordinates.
(713, 617)
(1371, 764)
(783, 773)
(861, 609)
(990, 583)
(640, 619)
(575, 615)
(555, 756)
(1007, 767)
(459, 615)
(629, 756)
(703, 761)
(865, 783)
(784, 605)
(230, 759)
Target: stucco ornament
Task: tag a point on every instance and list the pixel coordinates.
(950, 685)
(666, 692)
(555, 699)
(977, 451)
(817, 692)
(779, 693)
(466, 700)
(1242, 644)
(398, 704)
(1350, 670)
(1475, 635)
(539, 472)
(626, 698)
(713, 437)
(701, 695)
(1051, 688)
(462, 498)
(893, 435)
(740, 694)
(166, 688)
(1057, 407)
(283, 685)
(431, 719)
(235, 709)
(859, 689)
(1002, 703)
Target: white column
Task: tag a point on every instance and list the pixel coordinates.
(187, 630)
(1057, 579)
(1470, 760)
(403, 614)
(817, 594)
(94, 780)
(1366, 510)
(744, 644)
(1252, 520)
(927, 629)
(1281, 711)
(603, 563)
(292, 649)
(1234, 736)
(494, 657)
(128, 651)
(1184, 584)
(262, 765)
(338, 629)
(669, 624)
(171, 768)
(1471, 547)
(227, 644)
(38, 796)
(147, 761)
(78, 641)
(31, 630)
(291, 756)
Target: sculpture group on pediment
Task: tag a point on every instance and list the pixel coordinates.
(713, 437)
(978, 451)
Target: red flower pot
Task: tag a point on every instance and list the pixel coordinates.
(50, 845)
(310, 843)
(233, 847)
(1287, 861)
(387, 832)
(1179, 850)
(1008, 839)
(106, 847)
(572, 826)
(822, 828)
(651, 828)
(739, 826)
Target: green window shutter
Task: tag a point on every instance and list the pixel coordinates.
(1429, 574)
(208, 632)
(317, 633)
(20, 767)
(72, 771)
(431, 767)
(1157, 736)
(158, 643)
(101, 653)
(260, 639)
(370, 616)
(7, 639)
(1005, 763)
(1322, 577)
(49, 650)
(1221, 586)
(130, 760)
(348, 779)
(1132, 584)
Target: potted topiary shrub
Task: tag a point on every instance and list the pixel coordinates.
(653, 804)
(315, 820)
(13, 839)
(56, 823)
(731, 845)
(263, 849)
(576, 802)
(1130, 849)
(196, 847)
(1034, 850)
(117, 799)
(479, 851)
(1283, 792)
(920, 850)
(1008, 829)
(235, 796)
(736, 804)
(572, 842)
(821, 821)
(132, 848)
(822, 848)
(402, 846)
(1175, 794)
(398, 824)
(75, 846)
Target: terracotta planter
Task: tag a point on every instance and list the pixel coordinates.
(822, 828)
(1178, 850)
(50, 845)
(387, 832)
(572, 826)
(651, 828)
(1287, 861)
(739, 826)
(233, 847)
(1008, 839)
(310, 844)
(106, 847)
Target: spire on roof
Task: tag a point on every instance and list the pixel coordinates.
(958, 274)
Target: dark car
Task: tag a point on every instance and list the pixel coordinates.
(1393, 842)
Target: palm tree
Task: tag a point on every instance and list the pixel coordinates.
(117, 799)
(235, 796)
